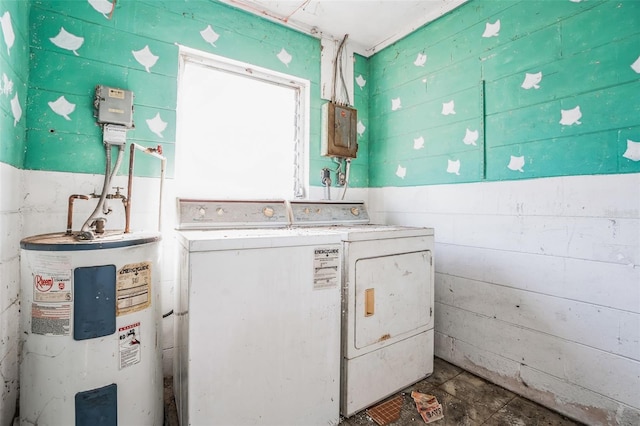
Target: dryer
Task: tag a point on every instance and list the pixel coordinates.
(387, 328)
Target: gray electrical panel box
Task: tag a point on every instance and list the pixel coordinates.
(339, 131)
(114, 106)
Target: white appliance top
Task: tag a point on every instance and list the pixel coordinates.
(378, 232)
(349, 218)
(241, 239)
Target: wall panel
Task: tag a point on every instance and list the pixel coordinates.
(556, 90)
(537, 285)
(14, 78)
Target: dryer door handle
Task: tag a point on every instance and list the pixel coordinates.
(369, 302)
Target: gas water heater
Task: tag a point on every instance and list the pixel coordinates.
(90, 312)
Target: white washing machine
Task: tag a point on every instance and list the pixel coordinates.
(257, 317)
(388, 292)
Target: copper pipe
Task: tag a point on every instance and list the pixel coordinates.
(72, 198)
(154, 152)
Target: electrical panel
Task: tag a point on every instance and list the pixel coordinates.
(339, 131)
(114, 106)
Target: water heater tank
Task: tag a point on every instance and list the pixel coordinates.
(90, 323)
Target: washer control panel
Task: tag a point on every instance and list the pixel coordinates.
(216, 214)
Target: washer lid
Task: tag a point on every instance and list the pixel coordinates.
(222, 214)
(255, 238)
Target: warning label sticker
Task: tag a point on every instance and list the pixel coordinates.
(129, 345)
(326, 265)
(52, 278)
(133, 288)
(51, 320)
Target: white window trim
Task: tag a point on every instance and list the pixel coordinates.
(302, 87)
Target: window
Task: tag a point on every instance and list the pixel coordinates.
(242, 130)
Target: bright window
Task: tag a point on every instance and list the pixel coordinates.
(242, 131)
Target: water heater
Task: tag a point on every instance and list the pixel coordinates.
(90, 318)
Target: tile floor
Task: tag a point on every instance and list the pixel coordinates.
(466, 400)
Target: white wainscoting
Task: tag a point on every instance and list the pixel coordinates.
(537, 285)
(10, 232)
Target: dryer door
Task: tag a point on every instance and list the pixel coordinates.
(390, 291)
(392, 297)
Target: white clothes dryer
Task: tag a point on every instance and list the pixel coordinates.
(387, 301)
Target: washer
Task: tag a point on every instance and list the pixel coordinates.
(257, 317)
(388, 292)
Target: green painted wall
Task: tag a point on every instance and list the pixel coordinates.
(14, 73)
(105, 57)
(585, 52)
(360, 166)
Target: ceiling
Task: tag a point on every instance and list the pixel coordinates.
(371, 25)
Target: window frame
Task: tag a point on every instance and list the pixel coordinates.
(301, 86)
